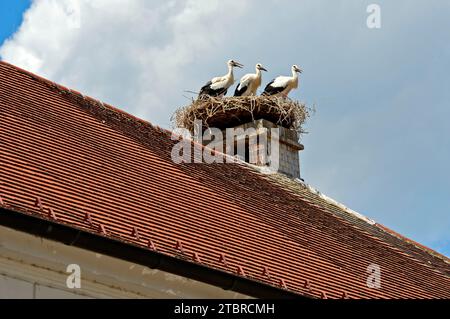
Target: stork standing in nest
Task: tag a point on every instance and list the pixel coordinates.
(282, 85)
(218, 86)
(250, 83)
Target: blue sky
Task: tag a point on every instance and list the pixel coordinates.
(11, 12)
(379, 141)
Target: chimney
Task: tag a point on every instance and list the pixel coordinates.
(256, 139)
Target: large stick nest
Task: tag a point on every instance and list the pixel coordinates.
(233, 111)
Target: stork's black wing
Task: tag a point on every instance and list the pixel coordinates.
(272, 90)
(207, 90)
(240, 90)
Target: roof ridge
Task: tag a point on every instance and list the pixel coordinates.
(88, 102)
(71, 93)
(332, 201)
(77, 96)
(424, 248)
(370, 221)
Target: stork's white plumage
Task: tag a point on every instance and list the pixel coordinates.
(218, 86)
(282, 85)
(250, 83)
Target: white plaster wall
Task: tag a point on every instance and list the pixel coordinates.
(33, 267)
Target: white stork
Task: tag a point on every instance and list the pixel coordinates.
(218, 86)
(250, 82)
(282, 85)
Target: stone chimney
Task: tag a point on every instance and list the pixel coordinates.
(287, 161)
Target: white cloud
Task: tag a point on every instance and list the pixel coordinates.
(129, 53)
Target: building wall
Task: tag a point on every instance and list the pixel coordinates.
(33, 267)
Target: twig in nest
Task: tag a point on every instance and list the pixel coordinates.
(233, 111)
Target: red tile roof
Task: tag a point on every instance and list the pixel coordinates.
(74, 160)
